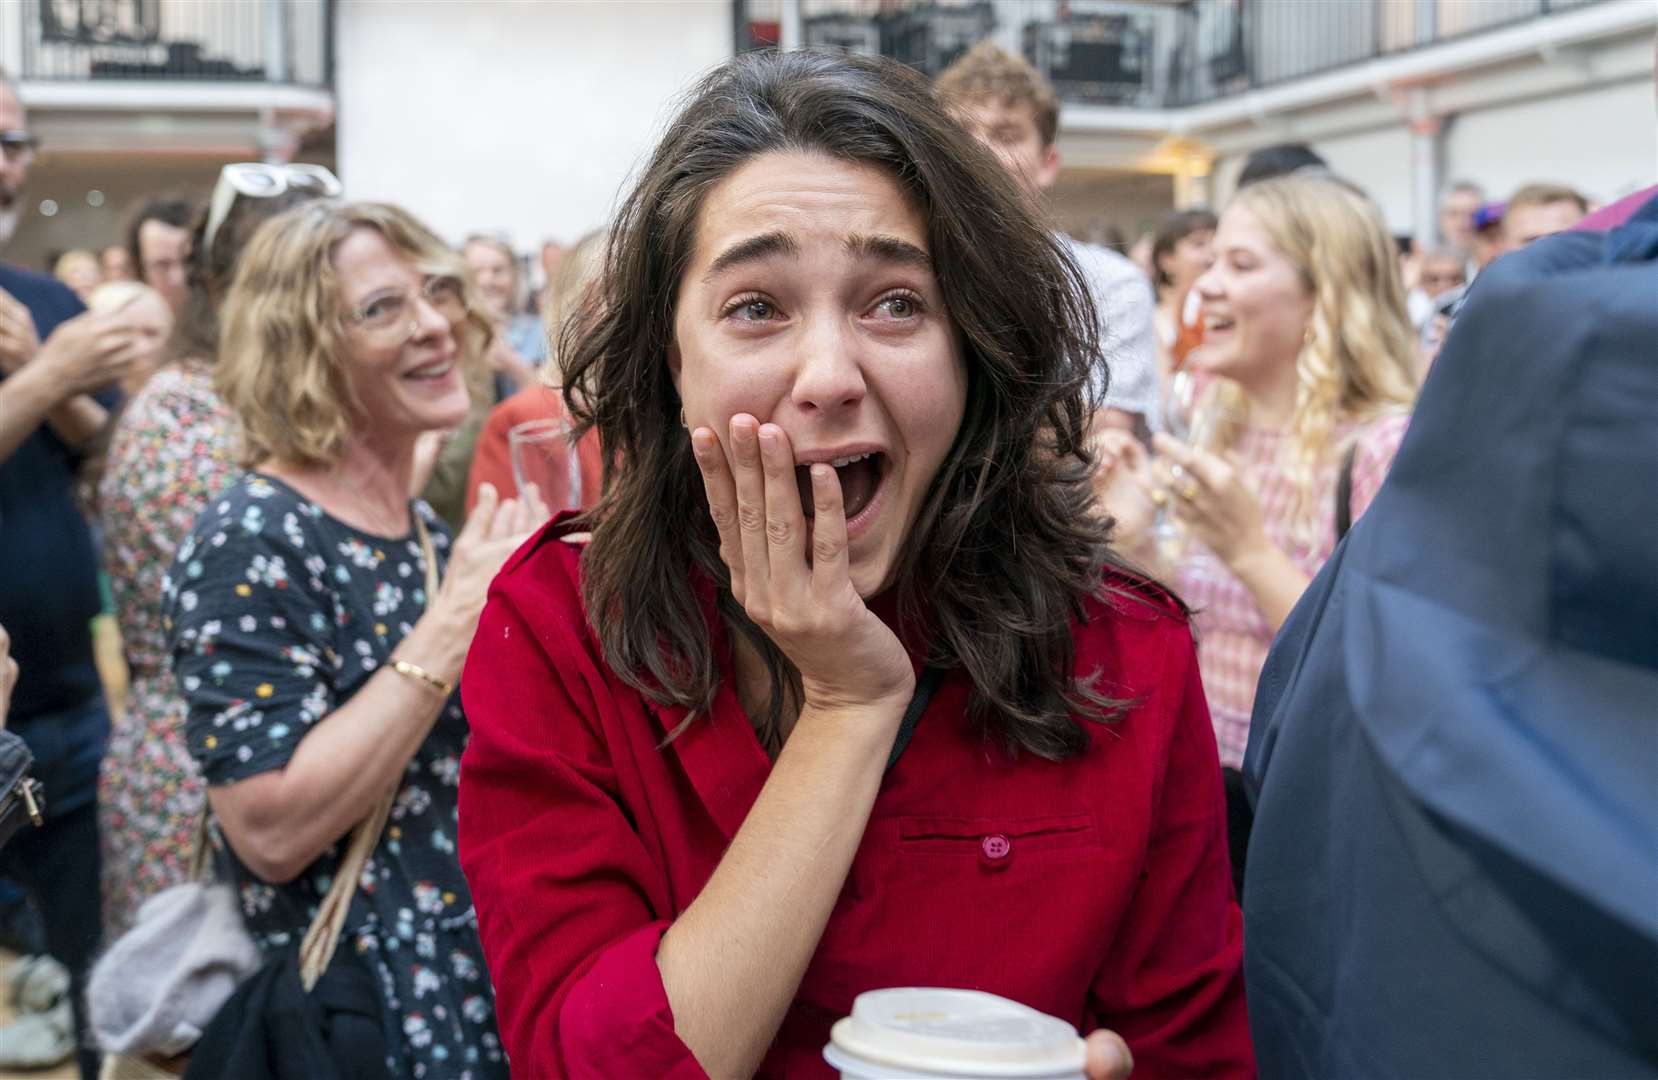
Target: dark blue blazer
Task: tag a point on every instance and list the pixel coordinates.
(1454, 751)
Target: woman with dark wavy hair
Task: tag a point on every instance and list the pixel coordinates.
(846, 683)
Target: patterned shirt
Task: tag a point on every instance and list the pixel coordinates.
(1233, 637)
(278, 614)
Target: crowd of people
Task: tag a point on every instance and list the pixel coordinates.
(899, 619)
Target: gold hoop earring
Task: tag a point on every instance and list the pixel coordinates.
(682, 421)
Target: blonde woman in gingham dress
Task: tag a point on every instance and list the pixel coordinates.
(1307, 335)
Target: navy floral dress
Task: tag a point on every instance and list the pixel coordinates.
(276, 614)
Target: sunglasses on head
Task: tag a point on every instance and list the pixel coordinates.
(256, 180)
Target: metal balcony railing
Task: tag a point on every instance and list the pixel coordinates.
(1146, 53)
(274, 41)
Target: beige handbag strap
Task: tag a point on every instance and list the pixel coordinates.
(317, 949)
(201, 868)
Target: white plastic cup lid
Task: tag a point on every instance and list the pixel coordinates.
(926, 1033)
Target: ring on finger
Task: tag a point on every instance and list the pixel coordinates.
(1188, 491)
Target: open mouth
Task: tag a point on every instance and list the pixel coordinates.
(860, 478)
(432, 372)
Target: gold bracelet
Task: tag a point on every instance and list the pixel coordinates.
(421, 675)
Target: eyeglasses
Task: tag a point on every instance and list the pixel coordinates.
(256, 180)
(390, 318)
(19, 147)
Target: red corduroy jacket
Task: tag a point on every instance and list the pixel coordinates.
(1096, 889)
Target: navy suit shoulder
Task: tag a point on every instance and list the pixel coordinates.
(1466, 688)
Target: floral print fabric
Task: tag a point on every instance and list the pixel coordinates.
(172, 451)
(278, 614)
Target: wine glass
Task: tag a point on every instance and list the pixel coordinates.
(543, 454)
(1181, 421)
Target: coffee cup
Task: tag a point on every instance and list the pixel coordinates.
(920, 1033)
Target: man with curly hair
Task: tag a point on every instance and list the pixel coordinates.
(1007, 104)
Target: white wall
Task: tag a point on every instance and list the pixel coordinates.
(1604, 142)
(512, 116)
(1380, 162)
(1133, 202)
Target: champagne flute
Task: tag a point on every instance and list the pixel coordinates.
(1180, 421)
(544, 455)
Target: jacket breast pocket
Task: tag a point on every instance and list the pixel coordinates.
(1018, 905)
(995, 840)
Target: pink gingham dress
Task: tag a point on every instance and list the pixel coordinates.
(1232, 637)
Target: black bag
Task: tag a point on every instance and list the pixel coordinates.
(271, 1029)
(21, 799)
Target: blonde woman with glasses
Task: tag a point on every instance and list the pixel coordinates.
(1304, 317)
(317, 659)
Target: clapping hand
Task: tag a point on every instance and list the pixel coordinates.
(85, 353)
(19, 340)
(492, 533)
(90, 352)
(1209, 497)
(1122, 482)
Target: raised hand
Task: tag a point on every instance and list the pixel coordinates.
(18, 339)
(792, 578)
(1211, 500)
(90, 351)
(492, 533)
(1122, 484)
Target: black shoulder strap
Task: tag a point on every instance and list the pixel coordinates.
(924, 687)
(1344, 492)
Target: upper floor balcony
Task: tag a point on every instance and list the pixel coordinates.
(253, 41)
(227, 77)
(1158, 54)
